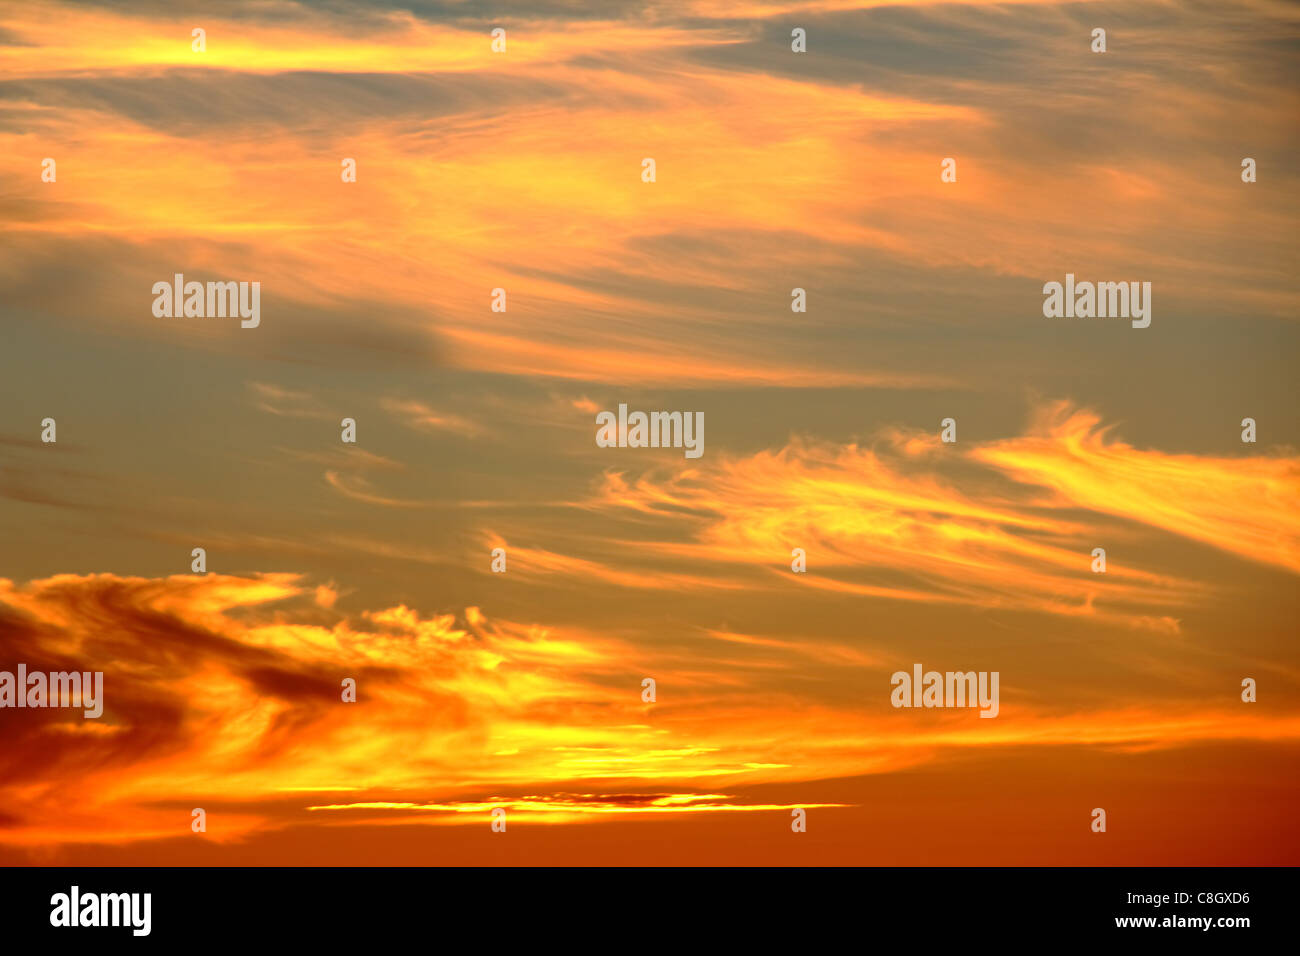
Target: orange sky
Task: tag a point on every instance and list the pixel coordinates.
(523, 690)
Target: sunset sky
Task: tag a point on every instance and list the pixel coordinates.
(775, 170)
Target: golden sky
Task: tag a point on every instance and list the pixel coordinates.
(522, 170)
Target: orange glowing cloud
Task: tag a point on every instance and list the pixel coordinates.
(891, 520)
(1247, 506)
(560, 808)
(539, 562)
(62, 38)
(224, 692)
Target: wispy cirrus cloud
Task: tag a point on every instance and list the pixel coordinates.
(417, 414)
(542, 563)
(1243, 505)
(286, 402)
(360, 489)
(763, 156)
(913, 519)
